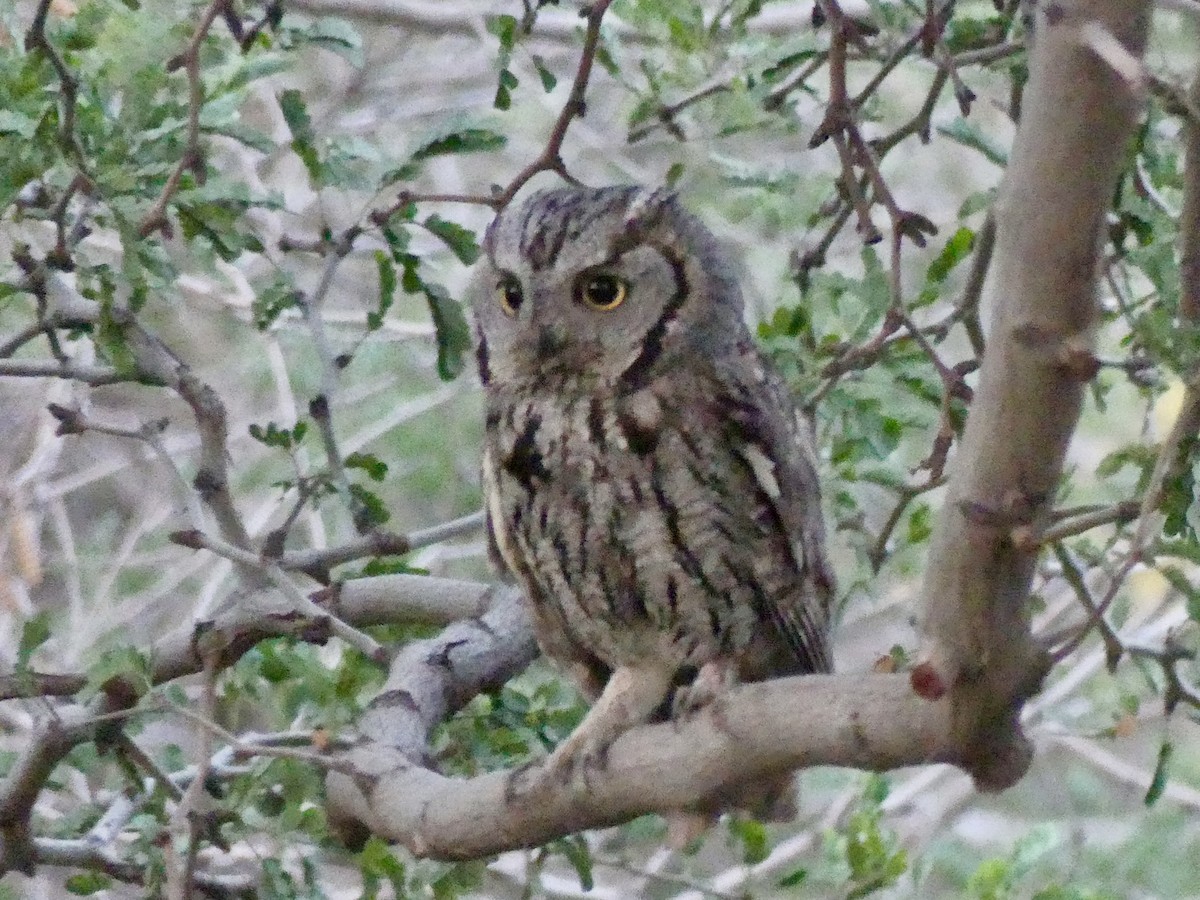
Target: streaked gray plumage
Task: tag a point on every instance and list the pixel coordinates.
(647, 478)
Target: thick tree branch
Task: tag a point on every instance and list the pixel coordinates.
(868, 721)
(428, 681)
(1078, 113)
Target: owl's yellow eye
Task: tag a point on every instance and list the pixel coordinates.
(509, 295)
(602, 291)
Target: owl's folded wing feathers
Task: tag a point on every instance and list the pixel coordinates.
(776, 446)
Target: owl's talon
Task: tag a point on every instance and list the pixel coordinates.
(513, 788)
(567, 767)
(713, 680)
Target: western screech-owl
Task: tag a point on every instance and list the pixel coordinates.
(647, 478)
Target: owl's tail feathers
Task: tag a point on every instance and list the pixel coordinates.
(772, 800)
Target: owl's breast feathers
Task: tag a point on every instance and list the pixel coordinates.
(682, 519)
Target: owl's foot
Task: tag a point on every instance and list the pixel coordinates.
(572, 765)
(628, 699)
(714, 679)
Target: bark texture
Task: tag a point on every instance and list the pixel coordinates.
(1080, 107)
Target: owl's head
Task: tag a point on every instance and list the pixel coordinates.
(600, 287)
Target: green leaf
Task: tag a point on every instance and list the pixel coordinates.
(966, 33)
(338, 36)
(34, 633)
(276, 882)
(969, 135)
(992, 880)
(920, 524)
(251, 137)
(271, 301)
(504, 88)
(1158, 783)
(273, 435)
(295, 113)
(461, 241)
(794, 878)
(387, 289)
(776, 72)
(410, 279)
(453, 332)
(1137, 455)
(1041, 841)
(1186, 587)
(876, 789)
(272, 666)
(607, 60)
(1183, 548)
(870, 853)
(547, 77)
(377, 863)
(465, 140)
(505, 28)
(575, 849)
(458, 881)
(348, 162)
(87, 883)
(958, 248)
(752, 835)
(876, 288)
(1179, 494)
(369, 463)
(371, 511)
(110, 339)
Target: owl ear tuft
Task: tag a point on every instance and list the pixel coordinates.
(489, 236)
(646, 207)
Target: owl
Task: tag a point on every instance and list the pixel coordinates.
(647, 479)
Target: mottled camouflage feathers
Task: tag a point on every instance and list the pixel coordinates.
(647, 478)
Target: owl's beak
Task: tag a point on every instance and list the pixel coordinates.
(551, 339)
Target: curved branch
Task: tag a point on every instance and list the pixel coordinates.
(762, 729)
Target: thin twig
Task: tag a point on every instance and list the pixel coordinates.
(302, 604)
(550, 159)
(35, 39)
(1118, 513)
(243, 749)
(68, 369)
(189, 814)
(191, 159)
(378, 543)
(665, 115)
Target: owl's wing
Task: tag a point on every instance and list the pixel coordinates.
(766, 432)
